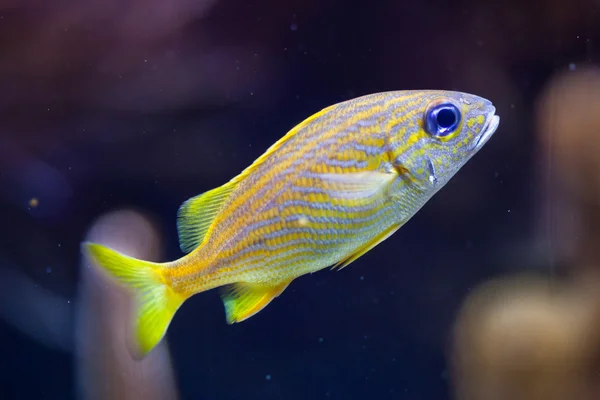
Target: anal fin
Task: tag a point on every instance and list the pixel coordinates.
(366, 247)
(243, 300)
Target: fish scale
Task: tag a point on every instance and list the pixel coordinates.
(336, 185)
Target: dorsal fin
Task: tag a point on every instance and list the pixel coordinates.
(275, 146)
(195, 216)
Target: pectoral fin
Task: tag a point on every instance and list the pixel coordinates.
(358, 185)
(368, 246)
(243, 300)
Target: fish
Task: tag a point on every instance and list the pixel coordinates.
(335, 186)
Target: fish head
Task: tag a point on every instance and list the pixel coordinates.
(434, 133)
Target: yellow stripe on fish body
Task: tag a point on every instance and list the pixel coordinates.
(331, 189)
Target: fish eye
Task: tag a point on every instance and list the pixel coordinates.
(442, 119)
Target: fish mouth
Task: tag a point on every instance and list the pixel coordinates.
(490, 126)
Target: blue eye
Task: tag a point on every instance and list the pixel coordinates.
(442, 120)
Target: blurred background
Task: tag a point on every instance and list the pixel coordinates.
(112, 113)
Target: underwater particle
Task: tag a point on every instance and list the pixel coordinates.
(48, 270)
(293, 27)
(268, 377)
(321, 340)
(362, 278)
(572, 67)
(34, 202)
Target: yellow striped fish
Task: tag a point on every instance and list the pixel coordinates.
(330, 190)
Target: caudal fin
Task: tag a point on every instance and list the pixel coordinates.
(156, 302)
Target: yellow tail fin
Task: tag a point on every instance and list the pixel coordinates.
(156, 302)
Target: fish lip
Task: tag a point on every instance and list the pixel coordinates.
(490, 126)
